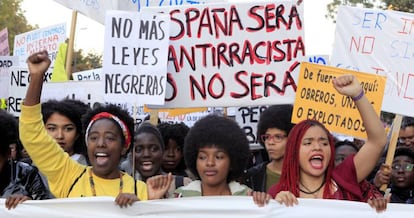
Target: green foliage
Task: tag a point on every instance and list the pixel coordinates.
(12, 17)
(88, 62)
(398, 5)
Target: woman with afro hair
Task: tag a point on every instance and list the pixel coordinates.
(216, 151)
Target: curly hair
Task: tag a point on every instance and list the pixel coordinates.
(220, 132)
(113, 109)
(9, 132)
(289, 180)
(73, 110)
(275, 116)
(176, 132)
(403, 151)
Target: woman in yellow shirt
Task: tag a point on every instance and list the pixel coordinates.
(108, 132)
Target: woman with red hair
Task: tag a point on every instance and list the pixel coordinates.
(309, 167)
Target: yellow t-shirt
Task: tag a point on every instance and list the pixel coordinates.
(66, 177)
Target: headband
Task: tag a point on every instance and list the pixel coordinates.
(121, 124)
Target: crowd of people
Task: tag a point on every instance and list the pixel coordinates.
(63, 148)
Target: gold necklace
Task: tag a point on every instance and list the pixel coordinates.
(92, 183)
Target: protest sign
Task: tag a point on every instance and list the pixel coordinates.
(96, 9)
(248, 118)
(135, 57)
(205, 206)
(6, 63)
(234, 54)
(4, 42)
(84, 91)
(48, 38)
(19, 82)
(94, 74)
(379, 42)
(317, 99)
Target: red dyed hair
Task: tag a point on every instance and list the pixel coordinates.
(289, 180)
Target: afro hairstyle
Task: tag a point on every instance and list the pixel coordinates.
(220, 132)
(275, 116)
(176, 132)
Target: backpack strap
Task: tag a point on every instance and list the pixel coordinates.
(76, 181)
(179, 181)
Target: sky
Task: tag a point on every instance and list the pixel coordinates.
(319, 31)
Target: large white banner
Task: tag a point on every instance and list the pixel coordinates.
(234, 54)
(96, 9)
(214, 207)
(379, 42)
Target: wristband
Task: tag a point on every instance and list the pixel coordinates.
(358, 97)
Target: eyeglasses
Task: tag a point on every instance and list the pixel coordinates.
(404, 139)
(407, 167)
(276, 137)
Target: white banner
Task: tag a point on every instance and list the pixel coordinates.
(379, 42)
(135, 57)
(48, 38)
(96, 9)
(234, 54)
(214, 207)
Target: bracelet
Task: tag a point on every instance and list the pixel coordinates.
(358, 97)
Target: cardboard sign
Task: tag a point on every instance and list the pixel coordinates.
(234, 54)
(317, 99)
(135, 57)
(4, 42)
(48, 38)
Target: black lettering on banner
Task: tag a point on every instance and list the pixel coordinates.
(299, 113)
(143, 84)
(13, 104)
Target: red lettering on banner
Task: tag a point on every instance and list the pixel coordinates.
(273, 18)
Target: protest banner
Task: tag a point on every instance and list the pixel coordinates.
(94, 74)
(317, 99)
(248, 118)
(6, 63)
(135, 57)
(318, 59)
(188, 118)
(96, 9)
(19, 81)
(4, 42)
(48, 38)
(206, 206)
(233, 54)
(379, 42)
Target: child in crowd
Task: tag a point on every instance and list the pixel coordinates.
(19, 181)
(272, 130)
(108, 136)
(173, 135)
(63, 122)
(147, 154)
(308, 169)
